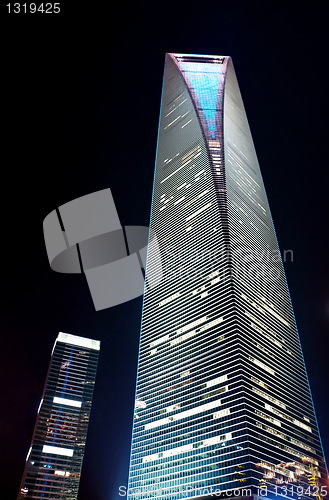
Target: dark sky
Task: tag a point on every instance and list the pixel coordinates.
(80, 99)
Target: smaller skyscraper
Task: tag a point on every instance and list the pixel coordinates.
(54, 461)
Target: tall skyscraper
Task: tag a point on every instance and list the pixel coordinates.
(223, 401)
(54, 461)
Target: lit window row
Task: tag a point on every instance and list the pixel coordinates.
(268, 397)
(198, 211)
(213, 275)
(216, 439)
(183, 337)
(262, 365)
(259, 382)
(199, 173)
(295, 453)
(303, 445)
(271, 431)
(180, 199)
(172, 122)
(198, 330)
(276, 315)
(268, 418)
(188, 447)
(216, 381)
(276, 468)
(222, 413)
(171, 408)
(174, 109)
(251, 302)
(160, 340)
(62, 473)
(181, 166)
(196, 197)
(194, 292)
(192, 325)
(286, 417)
(273, 341)
(262, 348)
(245, 285)
(267, 308)
(55, 450)
(67, 402)
(187, 123)
(198, 290)
(184, 414)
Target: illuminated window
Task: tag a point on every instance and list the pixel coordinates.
(169, 299)
(268, 418)
(259, 382)
(172, 408)
(268, 397)
(272, 431)
(221, 413)
(303, 445)
(67, 402)
(198, 211)
(159, 341)
(262, 365)
(286, 417)
(216, 381)
(61, 473)
(217, 439)
(191, 325)
(184, 414)
(55, 450)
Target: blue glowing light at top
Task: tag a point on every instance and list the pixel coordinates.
(205, 79)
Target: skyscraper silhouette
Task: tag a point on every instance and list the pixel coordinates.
(223, 401)
(54, 461)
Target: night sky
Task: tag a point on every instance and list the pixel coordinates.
(80, 100)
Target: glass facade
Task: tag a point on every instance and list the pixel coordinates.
(223, 401)
(54, 461)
